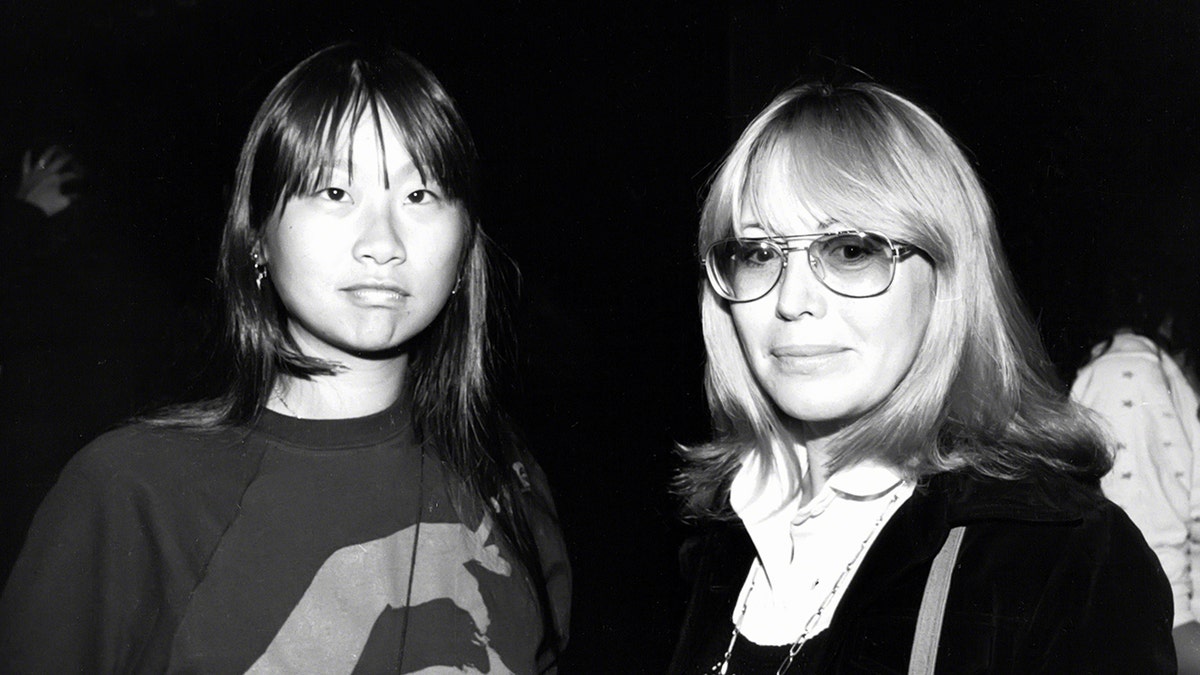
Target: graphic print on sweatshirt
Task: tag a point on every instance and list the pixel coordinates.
(361, 588)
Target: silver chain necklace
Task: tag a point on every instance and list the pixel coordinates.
(722, 668)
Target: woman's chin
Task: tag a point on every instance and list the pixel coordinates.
(819, 418)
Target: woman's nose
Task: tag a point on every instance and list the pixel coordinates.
(380, 238)
(800, 292)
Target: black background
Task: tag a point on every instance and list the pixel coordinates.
(599, 124)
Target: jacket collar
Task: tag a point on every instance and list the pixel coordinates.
(939, 503)
(954, 498)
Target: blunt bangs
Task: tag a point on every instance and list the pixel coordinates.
(316, 108)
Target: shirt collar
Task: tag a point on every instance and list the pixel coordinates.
(864, 481)
(769, 510)
(754, 502)
(756, 499)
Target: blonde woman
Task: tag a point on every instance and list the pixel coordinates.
(874, 386)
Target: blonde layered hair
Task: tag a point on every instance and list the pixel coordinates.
(980, 395)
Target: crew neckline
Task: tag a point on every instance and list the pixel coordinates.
(334, 434)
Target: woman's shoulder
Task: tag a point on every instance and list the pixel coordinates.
(1048, 497)
(1079, 562)
(1074, 513)
(1122, 382)
(142, 449)
(1125, 352)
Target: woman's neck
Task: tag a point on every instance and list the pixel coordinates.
(362, 388)
(814, 442)
(815, 478)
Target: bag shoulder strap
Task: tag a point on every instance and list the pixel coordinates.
(933, 606)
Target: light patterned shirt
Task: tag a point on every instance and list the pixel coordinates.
(1149, 411)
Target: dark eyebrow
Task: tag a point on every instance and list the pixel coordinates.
(828, 224)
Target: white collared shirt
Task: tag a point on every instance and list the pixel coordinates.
(803, 551)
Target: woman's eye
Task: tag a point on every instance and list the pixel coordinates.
(334, 194)
(422, 196)
(755, 255)
(850, 252)
(853, 250)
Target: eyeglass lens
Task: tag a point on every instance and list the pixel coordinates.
(852, 264)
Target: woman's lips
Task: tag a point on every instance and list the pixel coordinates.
(806, 350)
(805, 359)
(376, 293)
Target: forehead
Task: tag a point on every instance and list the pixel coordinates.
(364, 139)
(365, 149)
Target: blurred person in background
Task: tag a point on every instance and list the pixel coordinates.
(1141, 383)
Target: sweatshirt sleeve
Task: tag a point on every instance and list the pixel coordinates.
(84, 584)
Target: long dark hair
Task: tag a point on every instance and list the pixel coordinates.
(291, 143)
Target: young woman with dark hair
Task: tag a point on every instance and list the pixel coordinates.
(356, 500)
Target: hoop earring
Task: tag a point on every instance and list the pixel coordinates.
(260, 272)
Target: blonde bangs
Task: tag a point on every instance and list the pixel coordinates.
(862, 171)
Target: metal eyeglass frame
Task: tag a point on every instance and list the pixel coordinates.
(783, 246)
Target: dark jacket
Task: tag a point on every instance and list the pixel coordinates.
(1051, 578)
